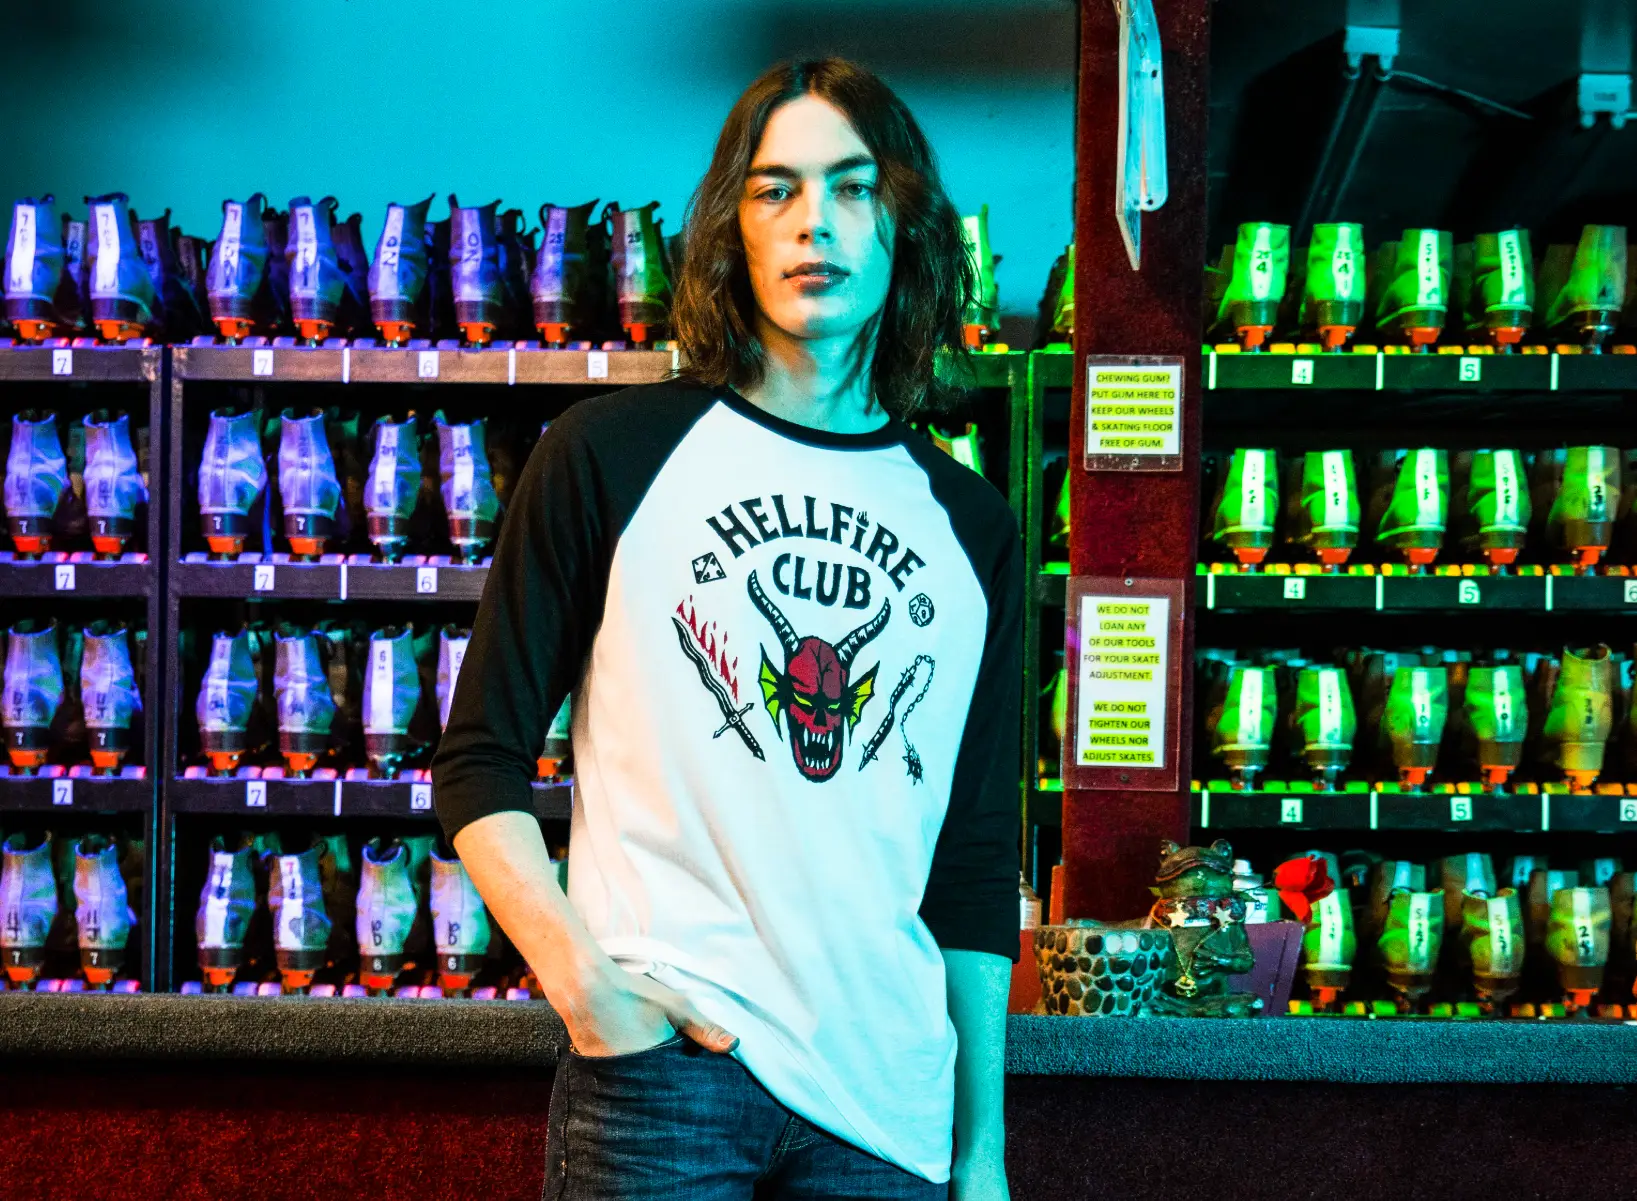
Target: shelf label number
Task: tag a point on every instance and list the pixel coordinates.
(1295, 588)
(426, 580)
(1460, 808)
(1631, 592)
(1472, 369)
(1468, 592)
(1301, 371)
(1628, 809)
(596, 364)
(1290, 810)
(427, 366)
(62, 362)
(261, 362)
(264, 577)
(62, 792)
(255, 794)
(62, 577)
(420, 796)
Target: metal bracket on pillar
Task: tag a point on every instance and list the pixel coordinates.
(1605, 62)
(1142, 183)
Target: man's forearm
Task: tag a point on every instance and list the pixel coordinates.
(977, 985)
(506, 857)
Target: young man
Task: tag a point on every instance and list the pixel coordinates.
(792, 630)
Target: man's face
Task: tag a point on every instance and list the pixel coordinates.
(817, 243)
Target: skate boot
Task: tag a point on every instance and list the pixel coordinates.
(28, 906)
(33, 692)
(114, 486)
(1492, 930)
(1544, 884)
(962, 445)
(1497, 709)
(388, 908)
(1501, 299)
(1386, 878)
(1583, 287)
(227, 697)
(1256, 278)
(1582, 516)
(460, 924)
(276, 233)
(124, 304)
(982, 316)
(1333, 295)
(468, 487)
(36, 480)
(102, 909)
(1417, 708)
(1413, 286)
(1498, 506)
(1581, 715)
(306, 706)
(1410, 943)
(352, 260)
(191, 256)
(1323, 507)
(554, 756)
(517, 257)
(452, 640)
(74, 296)
(1459, 875)
(109, 693)
(301, 922)
(567, 272)
(227, 902)
(232, 475)
(1062, 519)
(308, 485)
(316, 279)
(238, 270)
(1242, 726)
(641, 287)
(398, 300)
(1419, 510)
(393, 485)
(1325, 723)
(1329, 947)
(474, 267)
(1577, 940)
(392, 692)
(178, 305)
(36, 283)
(1247, 507)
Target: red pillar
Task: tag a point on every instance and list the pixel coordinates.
(1140, 524)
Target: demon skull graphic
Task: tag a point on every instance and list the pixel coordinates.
(815, 691)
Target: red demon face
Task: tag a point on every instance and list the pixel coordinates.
(814, 690)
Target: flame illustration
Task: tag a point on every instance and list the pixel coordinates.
(705, 636)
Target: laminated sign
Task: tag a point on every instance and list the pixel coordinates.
(1133, 413)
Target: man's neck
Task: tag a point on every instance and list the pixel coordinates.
(822, 383)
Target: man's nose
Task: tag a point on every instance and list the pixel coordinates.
(817, 225)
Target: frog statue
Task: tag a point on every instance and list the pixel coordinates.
(1206, 918)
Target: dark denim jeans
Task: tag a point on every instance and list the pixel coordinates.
(677, 1122)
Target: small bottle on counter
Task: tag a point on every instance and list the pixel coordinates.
(1260, 904)
(1030, 901)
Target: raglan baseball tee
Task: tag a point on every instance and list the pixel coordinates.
(794, 660)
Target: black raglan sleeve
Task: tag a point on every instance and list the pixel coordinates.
(971, 898)
(543, 601)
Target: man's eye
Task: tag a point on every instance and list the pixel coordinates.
(776, 194)
(857, 189)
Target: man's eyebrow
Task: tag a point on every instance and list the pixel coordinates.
(778, 171)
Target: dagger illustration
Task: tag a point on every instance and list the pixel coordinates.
(733, 718)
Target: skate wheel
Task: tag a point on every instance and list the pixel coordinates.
(71, 986)
(269, 988)
(1618, 1012)
(246, 988)
(431, 992)
(517, 994)
(1469, 1009)
(192, 988)
(354, 990)
(322, 990)
(127, 986)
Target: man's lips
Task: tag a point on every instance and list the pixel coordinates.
(816, 269)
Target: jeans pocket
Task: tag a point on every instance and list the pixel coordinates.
(624, 1056)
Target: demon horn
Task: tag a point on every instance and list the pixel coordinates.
(781, 627)
(854, 642)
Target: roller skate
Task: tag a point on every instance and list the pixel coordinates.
(566, 286)
(1247, 506)
(1062, 519)
(1498, 507)
(1581, 715)
(1412, 279)
(352, 260)
(308, 485)
(642, 288)
(1384, 879)
(388, 909)
(1582, 516)
(1241, 725)
(1501, 299)
(554, 756)
(1492, 930)
(232, 475)
(1256, 271)
(1324, 508)
(306, 708)
(301, 922)
(114, 486)
(227, 903)
(109, 693)
(1329, 948)
(179, 315)
(36, 481)
(33, 693)
(1583, 287)
(1325, 723)
(982, 316)
(316, 278)
(1417, 707)
(276, 233)
(392, 692)
(452, 640)
(124, 304)
(1333, 294)
(237, 275)
(963, 445)
(1410, 944)
(191, 256)
(398, 300)
(468, 487)
(36, 283)
(1497, 710)
(1577, 940)
(227, 699)
(460, 924)
(474, 267)
(102, 910)
(1418, 512)
(28, 906)
(392, 486)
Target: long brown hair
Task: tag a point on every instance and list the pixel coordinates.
(932, 277)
